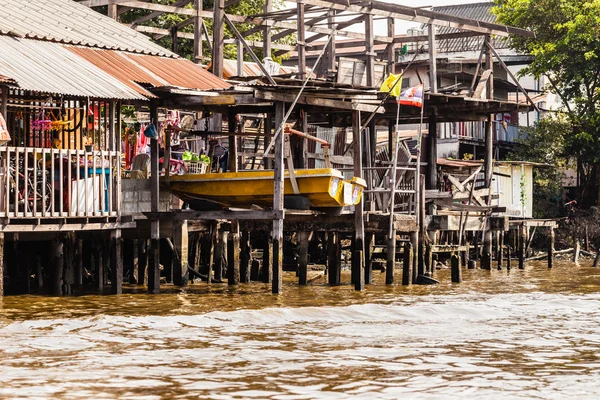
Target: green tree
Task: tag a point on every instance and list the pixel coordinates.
(566, 50)
(186, 46)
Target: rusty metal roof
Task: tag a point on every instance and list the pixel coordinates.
(66, 21)
(51, 68)
(136, 70)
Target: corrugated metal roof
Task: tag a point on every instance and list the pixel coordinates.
(134, 69)
(66, 21)
(475, 11)
(51, 68)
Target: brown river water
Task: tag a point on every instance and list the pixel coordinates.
(530, 333)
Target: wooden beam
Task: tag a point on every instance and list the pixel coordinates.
(432, 60)
(249, 50)
(155, 14)
(359, 222)
(198, 24)
(423, 16)
(370, 44)
(267, 31)
(278, 188)
(314, 101)
(300, 41)
(218, 37)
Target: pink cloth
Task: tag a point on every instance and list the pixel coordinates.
(141, 146)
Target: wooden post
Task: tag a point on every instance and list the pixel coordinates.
(551, 247)
(500, 251)
(267, 32)
(98, 251)
(142, 261)
(116, 262)
(198, 32)
(359, 222)
(233, 254)
(2, 262)
(522, 243)
(432, 60)
(391, 52)
(57, 257)
(576, 252)
(220, 251)
(4, 106)
(301, 40)
(489, 137)
(78, 271)
(154, 253)
(180, 253)
(254, 271)
(112, 10)
(414, 240)
(267, 264)
(268, 131)
(370, 47)
(303, 257)
(245, 254)
(407, 264)
(508, 257)
(429, 261)
(278, 189)
(174, 40)
(486, 257)
(218, 39)
(455, 269)
(333, 258)
(240, 58)
(391, 258)
(331, 46)
(233, 150)
(370, 238)
(432, 178)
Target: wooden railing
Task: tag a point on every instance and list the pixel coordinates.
(55, 183)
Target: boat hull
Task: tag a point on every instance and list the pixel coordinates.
(319, 188)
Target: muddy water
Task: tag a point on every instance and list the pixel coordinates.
(518, 334)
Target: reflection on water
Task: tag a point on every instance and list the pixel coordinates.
(518, 334)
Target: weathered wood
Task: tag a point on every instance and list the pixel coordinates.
(500, 249)
(267, 264)
(142, 261)
(220, 252)
(370, 239)
(99, 267)
(359, 223)
(301, 39)
(278, 191)
(1, 264)
(522, 243)
(407, 264)
(455, 269)
(267, 30)
(508, 257)
(429, 262)
(116, 262)
(320, 102)
(78, 270)
(218, 36)
(432, 60)
(370, 49)
(57, 257)
(198, 32)
(254, 271)
(154, 267)
(180, 253)
(432, 177)
(551, 248)
(486, 260)
(233, 256)
(233, 148)
(597, 259)
(245, 254)
(576, 252)
(391, 258)
(302, 257)
(333, 259)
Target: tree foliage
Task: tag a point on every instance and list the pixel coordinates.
(186, 46)
(566, 50)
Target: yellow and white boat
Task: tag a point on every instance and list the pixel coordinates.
(319, 189)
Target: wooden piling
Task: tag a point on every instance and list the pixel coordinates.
(233, 255)
(508, 257)
(303, 257)
(391, 259)
(99, 267)
(142, 261)
(407, 264)
(500, 250)
(78, 267)
(429, 263)
(245, 254)
(576, 252)
(180, 253)
(220, 252)
(69, 258)
(116, 262)
(597, 259)
(254, 271)
(551, 247)
(522, 244)
(333, 258)
(154, 267)
(57, 257)
(278, 192)
(369, 242)
(359, 222)
(1, 264)
(414, 240)
(486, 256)
(455, 269)
(267, 264)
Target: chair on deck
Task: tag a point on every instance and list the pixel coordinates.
(139, 167)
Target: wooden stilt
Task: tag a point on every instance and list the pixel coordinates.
(407, 264)
(154, 252)
(370, 240)
(508, 257)
(551, 248)
(500, 250)
(522, 243)
(1, 264)
(414, 240)
(180, 253)
(220, 249)
(245, 251)
(359, 223)
(486, 257)
(154, 267)
(333, 258)
(128, 259)
(134, 262)
(78, 268)
(278, 190)
(142, 261)
(303, 257)
(429, 266)
(69, 258)
(233, 255)
(98, 258)
(455, 269)
(576, 252)
(267, 264)
(254, 271)
(391, 259)
(57, 257)
(116, 262)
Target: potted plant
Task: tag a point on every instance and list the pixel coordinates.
(88, 143)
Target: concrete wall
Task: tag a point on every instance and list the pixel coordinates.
(136, 197)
